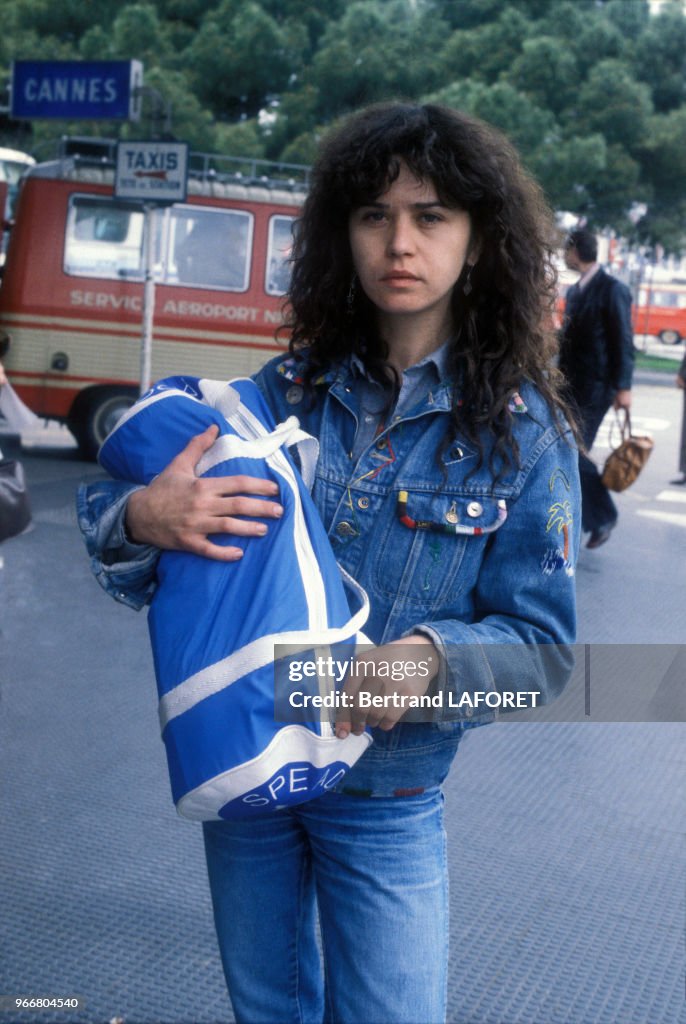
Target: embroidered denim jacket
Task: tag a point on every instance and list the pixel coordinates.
(483, 568)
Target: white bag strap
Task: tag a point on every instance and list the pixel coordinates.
(226, 400)
(307, 448)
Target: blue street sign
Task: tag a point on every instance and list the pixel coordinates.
(76, 89)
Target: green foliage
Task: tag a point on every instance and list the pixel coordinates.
(610, 189)
(303, 149)
(486, 51)
(66, 20)
(190, 12)
(137, 32)
(566, 167)
(630, 16)
(610, 101)
(189, 120)
(468, 14)
(664, 154)
(593, 92)
(595, 39)
(661, 58)
(238, 57)
(243, 138)
(546, 72)
(376, 51)
(502, 105)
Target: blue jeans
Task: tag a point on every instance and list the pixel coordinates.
(373, 871)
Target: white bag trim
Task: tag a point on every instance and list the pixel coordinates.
(293, 743)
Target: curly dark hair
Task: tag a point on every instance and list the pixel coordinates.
(503, 327)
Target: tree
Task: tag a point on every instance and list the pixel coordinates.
(95, 43)
(566, 167)
(303, 149)
(614, 188)
(350, 68)
(465, 14)
(503, 106)
(244, 138)
(612, 102)
(190, 121)
(484, 52)
(65, 21)
(294, 117)
(597, 41)
(138, 33)
(630, 16)
(312, 15)
(664, 224)
(663, 158)
(190, 12)
(663, 154)
(546, 72)
(238, 57)
(661, 58)
(585, 88)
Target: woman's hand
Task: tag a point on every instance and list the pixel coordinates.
(178, 510)
(414, 656)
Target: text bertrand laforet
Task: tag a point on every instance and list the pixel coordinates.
(330, 670)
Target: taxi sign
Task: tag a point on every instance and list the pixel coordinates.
(154, 172)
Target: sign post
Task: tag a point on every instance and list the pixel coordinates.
(148, 296)
(155, 173)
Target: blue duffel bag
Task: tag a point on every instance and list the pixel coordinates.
(214, 625)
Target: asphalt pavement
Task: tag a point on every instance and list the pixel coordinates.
(566, 839)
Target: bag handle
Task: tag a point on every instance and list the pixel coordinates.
(624, 427)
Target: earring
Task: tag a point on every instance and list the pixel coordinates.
(467, 286)
(352, 295)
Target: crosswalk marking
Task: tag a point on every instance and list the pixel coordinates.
(674, 518)
(675, 496)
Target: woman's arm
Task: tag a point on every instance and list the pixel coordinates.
(525, 608)
(178, 511)
(125, 527)
(525, 593)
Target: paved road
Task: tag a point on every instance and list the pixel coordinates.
(566, 839)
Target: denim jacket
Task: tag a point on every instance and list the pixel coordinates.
(483, 567)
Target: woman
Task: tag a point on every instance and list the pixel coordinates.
(447, 480)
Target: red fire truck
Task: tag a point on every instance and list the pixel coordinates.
(71, 297)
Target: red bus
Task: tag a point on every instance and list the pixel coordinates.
(661, 311)
(71, 297)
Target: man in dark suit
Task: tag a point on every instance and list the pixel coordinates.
(597, 358)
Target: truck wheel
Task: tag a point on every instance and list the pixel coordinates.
(669, 337)
(95, 413)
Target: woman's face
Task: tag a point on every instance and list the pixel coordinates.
(408, 250)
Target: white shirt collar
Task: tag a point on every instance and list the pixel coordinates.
(585, 278)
